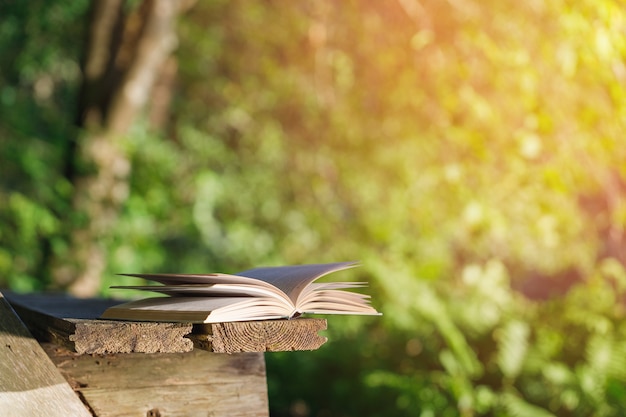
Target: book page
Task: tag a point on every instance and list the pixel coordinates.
(324, 301)
(214, 290)
(181, 279)
(199, 309)
(292, 280)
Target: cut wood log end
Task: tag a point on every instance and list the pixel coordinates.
(260, 336)
(101, 337)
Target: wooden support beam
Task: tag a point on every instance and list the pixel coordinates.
(74, 324)
(30, 384)
(195, 383)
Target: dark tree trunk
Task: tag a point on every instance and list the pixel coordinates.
(125, 52)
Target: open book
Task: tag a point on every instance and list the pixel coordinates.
(255, 294)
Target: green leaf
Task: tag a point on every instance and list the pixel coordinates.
(512, 347)
(516, 406)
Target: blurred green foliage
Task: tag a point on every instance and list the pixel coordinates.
(39, 80)
(469, 153)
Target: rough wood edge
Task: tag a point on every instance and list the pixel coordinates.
(260, 336)
(92, 336)
(46, 328)
(101, 336)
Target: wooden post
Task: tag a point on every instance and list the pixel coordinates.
(30, 384)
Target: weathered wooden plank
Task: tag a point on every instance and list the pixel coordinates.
(73, 323)
(196, 383)
(30, 385)
(260, 336)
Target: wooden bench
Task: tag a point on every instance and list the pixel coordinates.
(119, 368)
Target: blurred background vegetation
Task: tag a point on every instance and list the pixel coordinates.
(470, 153)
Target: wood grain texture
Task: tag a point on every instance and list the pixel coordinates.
(196, 383)
(30, 385)
(260, 336)
(73, 323)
